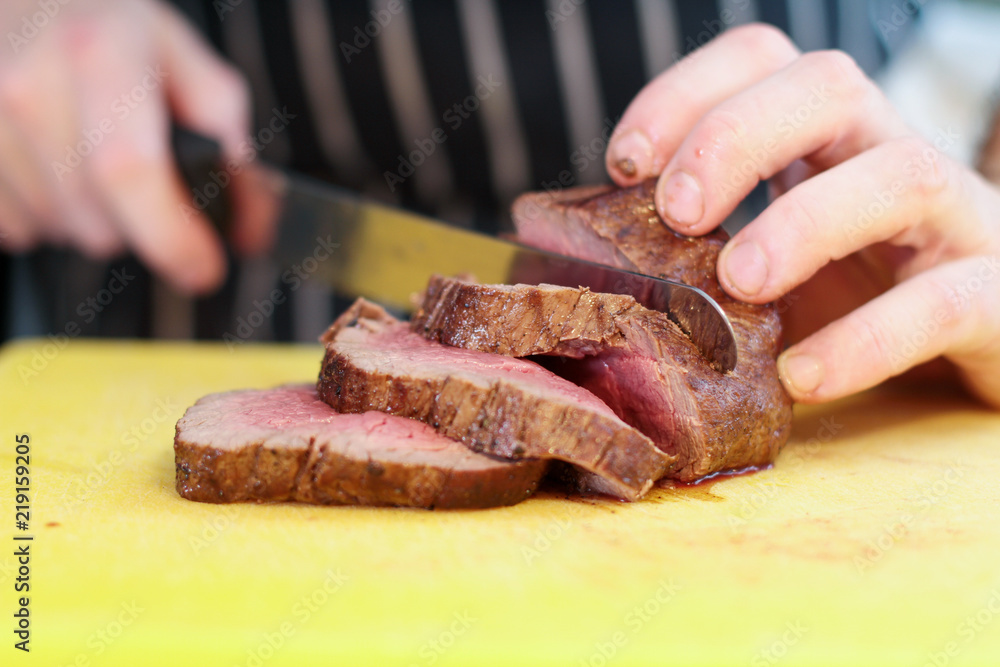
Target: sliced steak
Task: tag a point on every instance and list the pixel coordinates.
(500, 405)
(527, 320)
(641, 365)
(285, 444)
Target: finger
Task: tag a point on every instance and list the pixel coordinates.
(948, 309)
(821, 108)
(132, 167)
(981, 371)
(661, 115)
(211, 97)
(134, 174)
(42, 145)
(25, 179)
(903, 191)
(83, 220)
(256, 206)
(206, 94)
(17, 233)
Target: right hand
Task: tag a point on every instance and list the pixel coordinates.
(892, 245)
(86, 102)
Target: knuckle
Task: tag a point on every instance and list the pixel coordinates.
(95, 236)
(928, 171)
(723, 130)
(18, 92)
(102, 248)
(840, 71)
(15, 237)
(765, 41)
(805, 219)
(875, 337)
(944, 299)
(85, 37)
(936, 179)
(937, 182)
(122, 162)
(233, 86)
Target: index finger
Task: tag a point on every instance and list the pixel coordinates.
(131, 167)
(661, 115)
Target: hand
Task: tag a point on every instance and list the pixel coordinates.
(892, 247)
(85, 105)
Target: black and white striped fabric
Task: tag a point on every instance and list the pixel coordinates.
(450, 107)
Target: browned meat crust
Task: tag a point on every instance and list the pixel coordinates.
(500, 405)
(638, 362)
(284, 444)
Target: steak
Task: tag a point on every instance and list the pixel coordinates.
(527, 320)
(638, 361)
(285, 444)
(495, 404)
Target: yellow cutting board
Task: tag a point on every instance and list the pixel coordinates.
(875, 540)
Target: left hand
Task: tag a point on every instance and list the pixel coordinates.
(869, 220)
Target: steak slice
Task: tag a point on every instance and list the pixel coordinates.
(285, 444)
(499, 405)
(647, 371)
(527, 320)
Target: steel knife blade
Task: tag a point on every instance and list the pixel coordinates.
(386, 254)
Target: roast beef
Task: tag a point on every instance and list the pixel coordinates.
(500, 405)
(636, 360)
(286, 444)
(527, 320)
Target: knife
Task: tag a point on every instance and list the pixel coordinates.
(386, 254)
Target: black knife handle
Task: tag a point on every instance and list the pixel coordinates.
(199, 159)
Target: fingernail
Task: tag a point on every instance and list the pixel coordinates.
(803, 373)
(631, 154)
(746, 268)
(682, 199)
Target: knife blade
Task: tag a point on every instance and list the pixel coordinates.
(386, 254)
